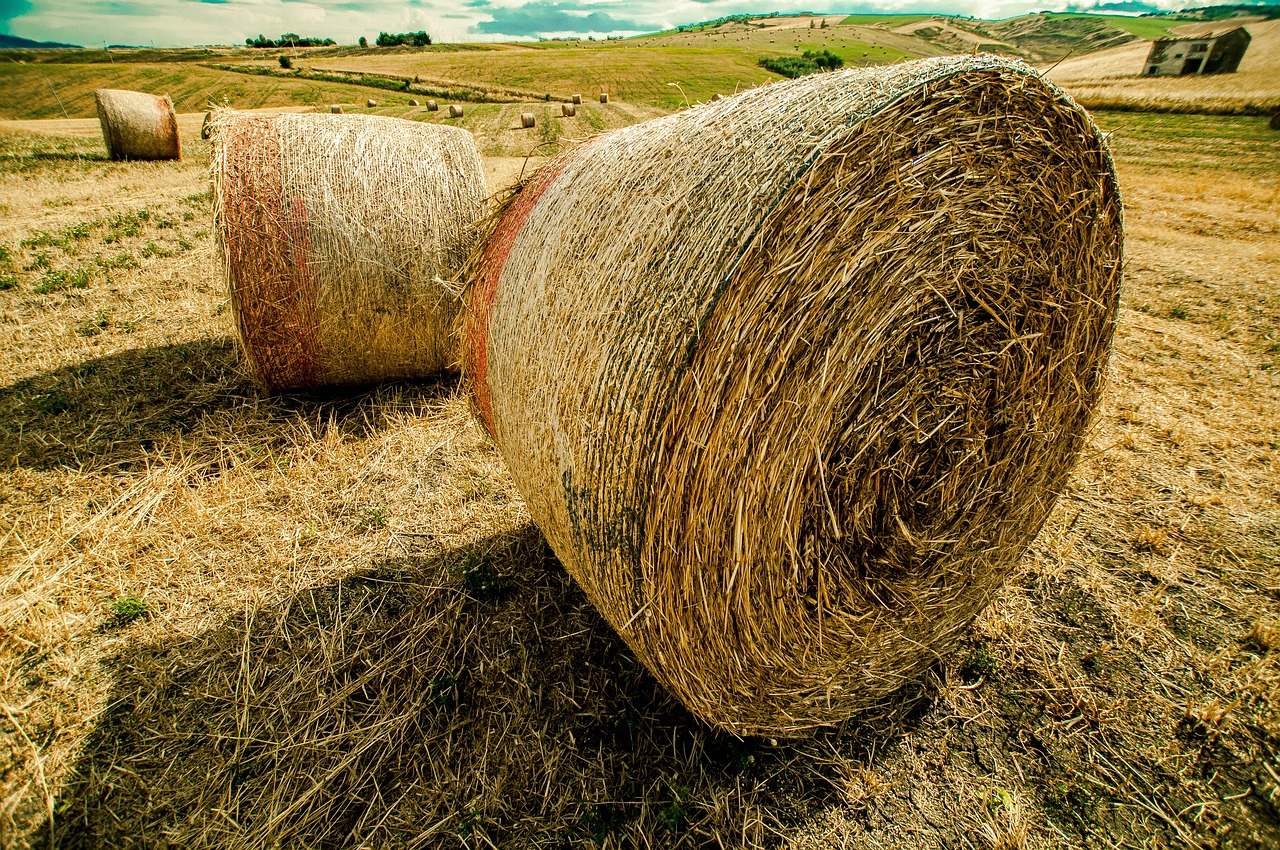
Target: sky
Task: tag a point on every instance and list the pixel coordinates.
(165, 23)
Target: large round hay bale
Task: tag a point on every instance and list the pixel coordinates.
(455, 111)
(577, 98)
(432, 106)
(568, 110)
(791, 411)
(527, 120)
(332, 232)
(371, 103)
(604, 97)
(137, 125)
(413, 101)
(335, 109)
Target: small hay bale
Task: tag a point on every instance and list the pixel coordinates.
(716, 97)
(432, 106)
(455, 111)
(577, 98)
(371, 103)
(413, 101)
(527, 120)
(791, 433)
(206, 126)
(604, 97)
(335, 109)
(137, 125)
(568, 110)
(332, 232)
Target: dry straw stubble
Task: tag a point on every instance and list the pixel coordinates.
(136, 125)
(792, 410)
(333, 233)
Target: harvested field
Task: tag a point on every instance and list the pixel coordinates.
(237, 621)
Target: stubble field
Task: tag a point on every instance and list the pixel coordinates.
(230, 620)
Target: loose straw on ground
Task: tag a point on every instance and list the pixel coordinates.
(790, 381)
(137, 125)
(333, 232)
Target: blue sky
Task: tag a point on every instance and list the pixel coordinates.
(186, 22)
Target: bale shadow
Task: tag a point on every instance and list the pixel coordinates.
(112, 410)
(473, 698)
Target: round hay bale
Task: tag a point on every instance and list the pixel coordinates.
(371, 103)
(335, 109)
(432, 106)
(527, 120)
(137, 125)
(568, 110)
(332, 232)
(455, 111)
(206, 127)
(716, 97)
(413, 101)
(604, 97)
(796, 408)
(577, 98)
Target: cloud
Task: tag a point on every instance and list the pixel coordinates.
(551, 18)
(10, 9)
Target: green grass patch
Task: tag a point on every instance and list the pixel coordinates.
(1148, 28)
(126, 609)
(891, 20)
(62, 280)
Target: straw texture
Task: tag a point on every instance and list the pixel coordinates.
(790, 381)
(332, 232)
(137, 125)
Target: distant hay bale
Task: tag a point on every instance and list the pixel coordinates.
(604, 97)
(432, 106)
(206, 126)
(526, 120)
(716, 97)
(577, 98)
(332, 232)
(137, 125)
(568, 110)
(335, 109)
(371, 103)
(455, 111)
(792, 433)
(413, 101)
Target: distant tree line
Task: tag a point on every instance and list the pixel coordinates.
(798, 66)
(415, 39)
(289, 39)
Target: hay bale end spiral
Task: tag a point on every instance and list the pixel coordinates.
(797, 407)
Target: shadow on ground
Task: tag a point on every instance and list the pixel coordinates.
(112, 410)
(470, 697)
